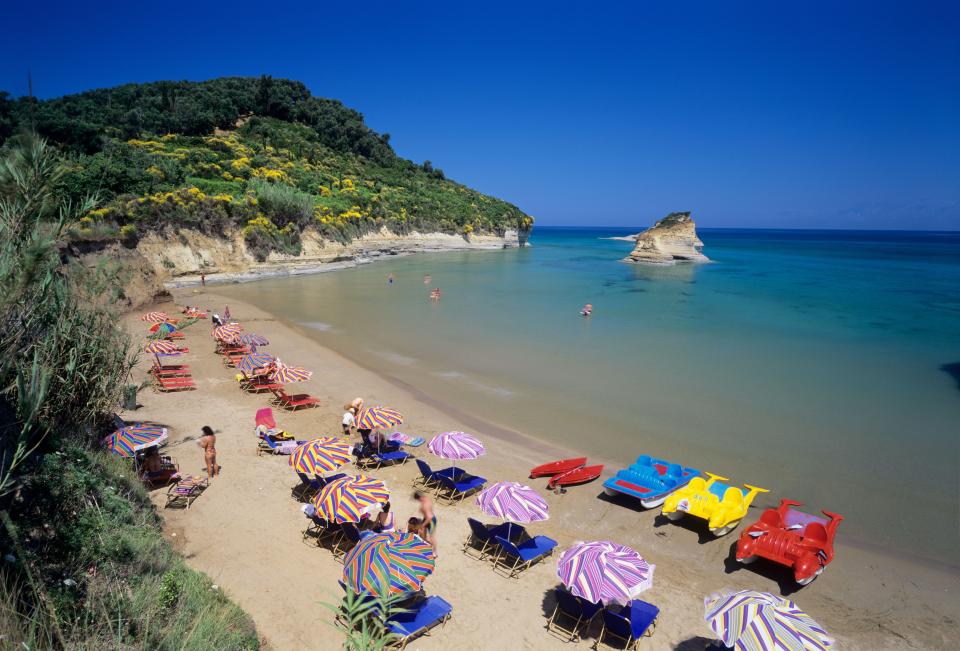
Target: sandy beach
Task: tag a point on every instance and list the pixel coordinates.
(245, 530)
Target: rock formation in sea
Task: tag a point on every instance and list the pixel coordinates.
(672, 239)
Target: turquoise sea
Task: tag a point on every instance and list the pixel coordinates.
(822, 365)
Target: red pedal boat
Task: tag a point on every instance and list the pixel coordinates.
(576, 476)
(557, 467)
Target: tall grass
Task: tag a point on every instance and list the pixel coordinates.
(84, 563)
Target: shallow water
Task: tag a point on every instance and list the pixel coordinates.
(824, 366)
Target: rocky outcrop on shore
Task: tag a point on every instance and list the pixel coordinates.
(179, 258)
(672, 239)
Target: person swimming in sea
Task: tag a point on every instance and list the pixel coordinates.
(587, 310)
(435, 295)
(427, 279)
(390, 279)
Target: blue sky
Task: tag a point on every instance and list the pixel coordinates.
(789, 115)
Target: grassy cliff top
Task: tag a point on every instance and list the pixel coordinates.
(259, 154)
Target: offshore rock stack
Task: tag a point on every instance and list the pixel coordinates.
(670, 240)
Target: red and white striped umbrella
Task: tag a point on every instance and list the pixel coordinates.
(513, 502)
(604, 572)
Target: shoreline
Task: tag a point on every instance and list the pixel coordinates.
(224, 531)
(535, 444)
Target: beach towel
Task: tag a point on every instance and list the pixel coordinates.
(406, 439)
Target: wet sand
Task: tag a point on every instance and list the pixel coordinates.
(245, 530)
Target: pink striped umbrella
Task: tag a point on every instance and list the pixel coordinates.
(161, 347)
(154, 317)
(456, 445)
(513, 502)
(604, 572)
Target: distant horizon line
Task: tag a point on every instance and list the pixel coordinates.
(763, 228)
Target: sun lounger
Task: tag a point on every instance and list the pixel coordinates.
(455, 490)
(320, 529)
(517, 558)
(308, 487)
(481, 537)
(349, 536)
(166, 384)
(388, 455)
(430, 479)
(170, 370)
(266, 444)
(629, 625)
(572, 616)
(419, 619)
(286, 401)
(259, 385)
(185, 491)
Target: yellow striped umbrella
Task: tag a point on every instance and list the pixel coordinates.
(378, 418)
(161, 347)
(154, 317)
(227, 333)
(286, 374)
(350, 498)
(321, 455)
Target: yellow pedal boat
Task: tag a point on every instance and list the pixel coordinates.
(721, 505)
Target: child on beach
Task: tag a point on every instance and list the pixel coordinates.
(349, 418)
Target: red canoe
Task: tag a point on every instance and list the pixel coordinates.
(576, 476)
(557, 467)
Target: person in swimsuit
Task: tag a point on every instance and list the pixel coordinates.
(429, 519)
(208, 441)
(384, 522)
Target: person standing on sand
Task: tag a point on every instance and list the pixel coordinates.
(429, 519)
(208, 441)
(203, 279)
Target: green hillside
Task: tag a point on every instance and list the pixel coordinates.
(259, 154)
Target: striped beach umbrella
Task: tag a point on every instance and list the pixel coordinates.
(285, 374)
(513, 502)
(252, 339)
(747, 620)
(164, 326)
(456, 445)
(154, 317)
(126, 441)
(604, 572)
(378, 418)
(321, 455)
(161, 347)
(255, 361)
(350, 498)
(400, 561)
(227, 333)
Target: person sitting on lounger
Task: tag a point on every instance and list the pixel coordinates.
(155, 471)
(384, 521)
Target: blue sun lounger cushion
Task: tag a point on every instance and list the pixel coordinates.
(417, 620)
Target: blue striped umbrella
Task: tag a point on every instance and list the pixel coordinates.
(747, 620)
(285, 374)
(255, 361)
(604, 572)
(126, 441)
(399, 560)
(252, 339)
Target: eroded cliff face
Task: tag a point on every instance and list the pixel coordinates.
(672, 239)
(183, 255)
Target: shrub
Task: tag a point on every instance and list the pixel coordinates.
(283, 203)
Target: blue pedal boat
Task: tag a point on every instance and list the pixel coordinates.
(649, 480)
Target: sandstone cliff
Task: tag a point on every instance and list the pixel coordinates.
(673, 238)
